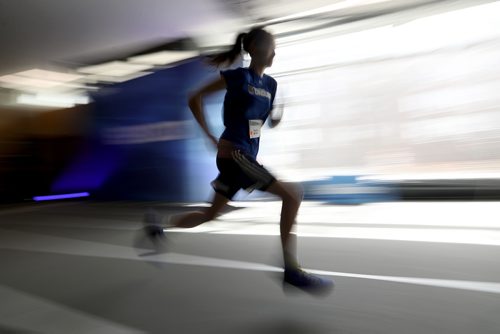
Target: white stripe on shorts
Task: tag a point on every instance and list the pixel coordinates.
(260, 174)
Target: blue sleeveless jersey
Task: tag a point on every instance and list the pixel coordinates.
(247, 104)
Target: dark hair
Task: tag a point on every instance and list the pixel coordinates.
(243, 41)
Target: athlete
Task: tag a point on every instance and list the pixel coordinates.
(248, 103)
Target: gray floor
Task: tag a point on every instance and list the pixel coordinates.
(83, 267)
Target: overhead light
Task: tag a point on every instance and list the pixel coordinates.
(55, 101)
(37, 79)
(115, 79)
(163, 57)
(49, 75)
(16, 81)
(345, 4)
(114, 69)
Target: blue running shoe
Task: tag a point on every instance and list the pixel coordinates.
(315, 285)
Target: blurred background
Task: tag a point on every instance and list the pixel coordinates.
(392, 104)
(382, 100)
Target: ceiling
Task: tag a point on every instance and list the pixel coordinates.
(55, 35)
(36, 33)
(39, 34)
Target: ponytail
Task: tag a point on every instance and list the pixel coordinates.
(228, 57)
(243, 42)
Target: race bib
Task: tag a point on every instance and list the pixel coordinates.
(254, 125)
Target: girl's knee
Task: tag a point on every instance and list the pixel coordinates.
(290, 193)
(295, 192)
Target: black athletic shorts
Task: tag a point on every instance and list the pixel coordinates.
(240, 172)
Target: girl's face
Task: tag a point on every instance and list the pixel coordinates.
(263, 51)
